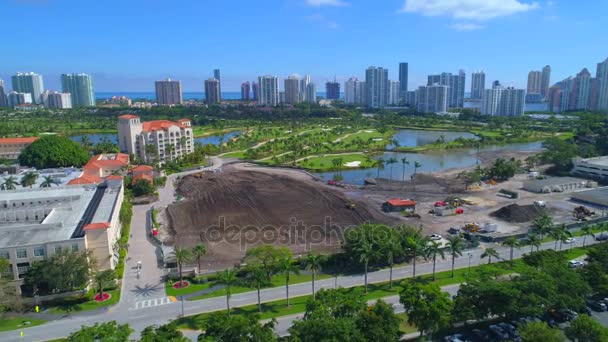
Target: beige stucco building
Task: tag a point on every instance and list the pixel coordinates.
(10, 148)
(170, 140)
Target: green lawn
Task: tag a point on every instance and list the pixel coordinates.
(324, 162)
(237, 154)
(7, 323)
(81, 303)
(277, 280)
(203, 131)
(405, 327)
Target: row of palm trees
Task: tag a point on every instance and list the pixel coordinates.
(27, 181)
(380, 163)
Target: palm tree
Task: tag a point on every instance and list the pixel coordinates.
(434, 249)
(562, 234)
(199, 251)
(534, 241)
(380, 165)
(489, 253)
(390, 162)
(257, 278)
(86, 142)
(415, 246)
(29, 179)
(455, 246)
(393, 248)
(512, 243)
(227, 278)
(10, 183)
(417, 165)
(103, 277)
(313, 263)
(543, 225)
(287, 267)
(587, 231)
(366, 251)
(182, 255)
(403, 163)
(48, 181)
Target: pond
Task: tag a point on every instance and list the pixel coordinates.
(217, 138)
(430, 161)
(96, 138)
(414, 138)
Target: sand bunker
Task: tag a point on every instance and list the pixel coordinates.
(353, 164)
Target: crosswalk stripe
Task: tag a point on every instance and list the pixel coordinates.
(148, 303)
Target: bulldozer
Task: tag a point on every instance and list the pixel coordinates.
(471, 227)
(581, 213)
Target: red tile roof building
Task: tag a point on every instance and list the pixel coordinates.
(10, 148)
(170, 139)
(101, 166)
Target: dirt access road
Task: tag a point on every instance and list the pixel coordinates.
(246, 205)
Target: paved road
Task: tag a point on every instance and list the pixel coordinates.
(140, 318)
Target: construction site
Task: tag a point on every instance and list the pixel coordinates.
(246, 205)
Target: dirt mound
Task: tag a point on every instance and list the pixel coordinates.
(421, 183)
(236, 209)
(518, 213)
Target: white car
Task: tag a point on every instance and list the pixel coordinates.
(575, 264)
(435, 237)
(570, 240)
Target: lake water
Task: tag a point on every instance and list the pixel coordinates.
(431, 161)
(413, 138)
(216, 139)
(96, 138)
(528, 107)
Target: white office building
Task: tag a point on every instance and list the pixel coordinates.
(432, 99)
(269, 91)
(56, 100)
(377, 86)
(15, 98)
(80, 88)
(501, 101)
(394, 95)
(30, 83)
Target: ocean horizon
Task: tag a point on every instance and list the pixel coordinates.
(150, 95)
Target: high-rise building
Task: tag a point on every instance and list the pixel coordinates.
(3, 98)
(580, 96)
(502, 101)
(269, 91)
(602, 85)
(455, 85)
(80, 87)
(292, 90)
(332, 90)
(168, 92)
(377, 87)
(545, 81)
(212, 91)
(56, 100)
(216, 74)
(432, 98)
(245, 91)
(15, 98)
(255, 88)
(534, 82)
(560, 95)
(403, 79)
(304, 82)
(478, 84)
(311, 93)
(496, 84)
(394, 95)
(410, 98)
(29, 82)
(361, 93)
(170, 140)
(350, 89)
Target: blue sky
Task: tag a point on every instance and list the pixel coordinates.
(128, 44)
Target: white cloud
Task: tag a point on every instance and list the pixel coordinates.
(319, 3)
(468, 9)
(466, 26)
(323, 20)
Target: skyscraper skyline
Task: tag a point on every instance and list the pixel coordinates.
(377, 87)
(501, 101)
(478, 84)
(403, 79)
(168, 92)
(269, 91)
(534, 82)
(292, 90)
(213, 93)
(3, 98)
(246, 91)
(80, 87)
(602, 85)
(30, 83)
(455, 83)
(432, 98)
(545, 81)
(332, 90)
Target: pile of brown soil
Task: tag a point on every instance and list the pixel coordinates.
(518, 213)
(259, 204)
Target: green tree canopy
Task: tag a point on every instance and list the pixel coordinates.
(540, 332)
(426, 306)
(63, 272)
(219, 327)
(586, 329)
(167, 332)
(53, 151)
(104, 332)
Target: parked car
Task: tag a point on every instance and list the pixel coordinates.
(455, 338)
(597, 306)
(435, 237)
(575, 264)
(498, 332)
(481, 335)
(454, 230)
(603, 236)
(570, 240)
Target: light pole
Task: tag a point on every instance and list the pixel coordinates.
(470, 257)
(182, 300)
